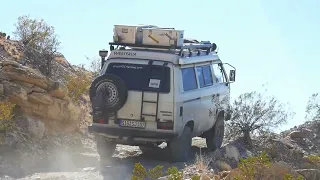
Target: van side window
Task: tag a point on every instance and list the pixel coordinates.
(204, 75)
(218, 74)
(189, 79)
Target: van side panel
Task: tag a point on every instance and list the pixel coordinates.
(188, 102)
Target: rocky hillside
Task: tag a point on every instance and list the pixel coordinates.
(45, 100)
(35, 107)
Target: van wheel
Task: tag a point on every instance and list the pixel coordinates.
(180, 147)
(105, 149)
(215, 135)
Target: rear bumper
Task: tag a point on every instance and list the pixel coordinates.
(130, 133)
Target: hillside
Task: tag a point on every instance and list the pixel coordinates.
(36, 107)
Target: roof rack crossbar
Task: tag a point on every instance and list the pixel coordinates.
(185, 46)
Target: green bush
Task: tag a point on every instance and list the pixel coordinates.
(314, 159)
(253, 168)
(78, 85)
(290, 177)
(140, 173)
(250, 168)
(195, 177)
(174, 174)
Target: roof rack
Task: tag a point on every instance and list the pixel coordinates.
(149, 37)
(185, 46)
(202, 46)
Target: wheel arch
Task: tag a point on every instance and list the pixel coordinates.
(190, 124)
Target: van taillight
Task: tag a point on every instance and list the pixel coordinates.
(165, 125)
(101, 121)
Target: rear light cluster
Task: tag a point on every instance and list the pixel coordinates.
(165, 125)
(103, 118)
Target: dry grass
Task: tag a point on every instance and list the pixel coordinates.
(202, 163)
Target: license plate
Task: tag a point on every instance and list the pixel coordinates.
(134, 124)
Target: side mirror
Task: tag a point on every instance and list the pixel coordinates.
(232, 75)
(103, 54)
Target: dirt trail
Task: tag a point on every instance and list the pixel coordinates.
(85, 164)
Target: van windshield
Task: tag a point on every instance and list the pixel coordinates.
(142, 77)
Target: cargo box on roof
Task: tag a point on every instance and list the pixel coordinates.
(129, 34)
(162, 37)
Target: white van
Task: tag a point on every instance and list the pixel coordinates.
(147, 94)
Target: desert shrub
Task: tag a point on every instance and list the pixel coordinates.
(6, 115)
(2, 34)
(250, 168)
(77, 85)
(256, 113)
(254, 168)
(95, 66)
(156, 172)
(40, 42)
(174, 174)
(140, 173)
(314, 159)
(195, 177)
(313, 107)
(290, 177)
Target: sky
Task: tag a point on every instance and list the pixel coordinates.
(268, 41)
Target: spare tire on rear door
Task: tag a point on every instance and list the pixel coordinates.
(108, 93)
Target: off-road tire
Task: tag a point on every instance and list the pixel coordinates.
(180, 147)
(105, 149)
(108, 93)
(215, 135)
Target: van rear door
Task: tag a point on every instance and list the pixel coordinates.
(144, 81)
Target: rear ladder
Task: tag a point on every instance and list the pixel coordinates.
(152, 102)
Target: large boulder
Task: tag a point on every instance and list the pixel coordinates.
(309, 174)
(299, 134)
(21, 73)
(38, 97)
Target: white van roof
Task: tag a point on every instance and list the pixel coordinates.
(164, 56)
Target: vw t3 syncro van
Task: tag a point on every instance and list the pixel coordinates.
(156, 86)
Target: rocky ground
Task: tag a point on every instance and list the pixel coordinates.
(75, 157)
(79, 160)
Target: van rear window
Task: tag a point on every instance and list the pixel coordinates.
(142, 77)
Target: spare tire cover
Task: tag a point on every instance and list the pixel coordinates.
(108, 93)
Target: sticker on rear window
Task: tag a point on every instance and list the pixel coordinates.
(154, 83)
